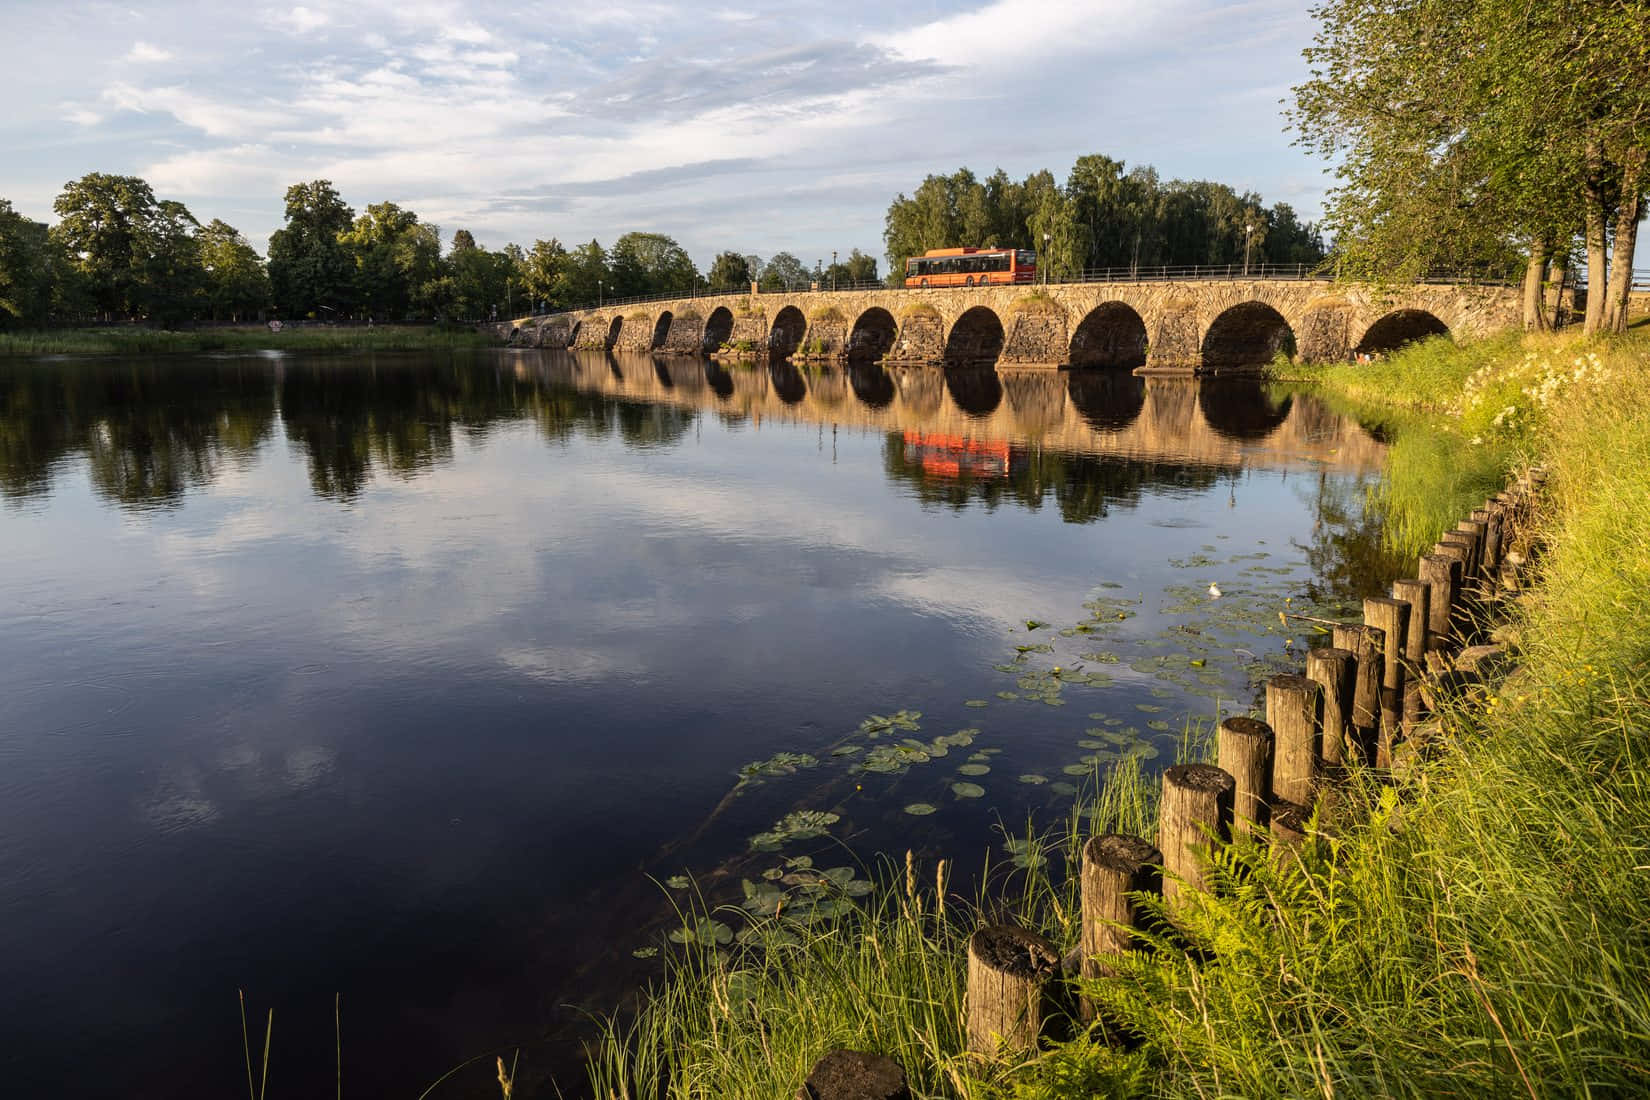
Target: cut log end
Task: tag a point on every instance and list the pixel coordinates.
(854, 1075)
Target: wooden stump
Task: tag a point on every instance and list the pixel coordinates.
(1418, 595)
(1196, 811)
(1289, 824)
(1243, 747)
(1439, 573)
(1391, 618)
(1478, 531)
(1294, 712)
(1114, 866)
(1333, 670)
(854, 1075)
(1457, 548)
(1364, 643)
(1009, 976)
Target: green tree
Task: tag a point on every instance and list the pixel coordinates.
(173, 284)
(544, 272)
(784, 272)
(105, 224)
(237, 286)
(311, 270)
(27, 267)
(479, 277)
(651, 263)
(730, 271)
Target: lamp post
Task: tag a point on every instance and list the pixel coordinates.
(598, 294)
(1046, 238)
(1248, 228)
(833, 269)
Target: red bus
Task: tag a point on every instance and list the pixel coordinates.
(971, 266)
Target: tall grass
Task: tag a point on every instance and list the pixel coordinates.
(1478, 924)
(147, 341)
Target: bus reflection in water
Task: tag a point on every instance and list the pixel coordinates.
(956, 456)
(971, 267)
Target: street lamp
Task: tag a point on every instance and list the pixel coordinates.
(833, 269)
(1046, 238)
(1248, 228)
(598, 294)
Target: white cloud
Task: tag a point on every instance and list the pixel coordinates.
(1013, 29)
(299, 20)
(144, 53)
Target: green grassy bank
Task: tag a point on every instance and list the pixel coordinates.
(138, 340)
(1479, 926)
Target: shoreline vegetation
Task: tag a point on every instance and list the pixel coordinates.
(1474, 924)
(143, 340)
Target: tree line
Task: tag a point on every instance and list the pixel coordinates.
(1103, 216)
(118, 252)
(1485, 131)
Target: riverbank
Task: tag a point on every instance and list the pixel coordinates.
(139, 340)
(1476, 926)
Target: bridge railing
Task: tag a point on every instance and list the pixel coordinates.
(1183, 273)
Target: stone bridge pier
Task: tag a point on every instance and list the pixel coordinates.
(1211, 326)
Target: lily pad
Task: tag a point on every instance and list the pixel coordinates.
(967, 790)
(1034, 779)
(974, 769)
(644, 952)
(977, 703)
(920, 809)
(677, 882)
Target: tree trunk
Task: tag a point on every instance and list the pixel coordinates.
(1598, 271)
(1561, 276)
(1535, 317)
(1626, 239)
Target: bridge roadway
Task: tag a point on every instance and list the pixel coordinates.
(1212, 326)
(1221, 424)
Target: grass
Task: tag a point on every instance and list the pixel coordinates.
(1478, 925)
(147, 341)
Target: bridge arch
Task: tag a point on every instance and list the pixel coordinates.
(788, 384)
(975, 340)
(789, 327)
(1249, 334)
(1241, 409)
(1111, 335)
(1400, 327)
(1107, 401)
(613, 330)
(661, 331)
(718, 328)
(871, 385)
(976, 392)
(872, 335)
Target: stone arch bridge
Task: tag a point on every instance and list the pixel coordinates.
(1212, 326)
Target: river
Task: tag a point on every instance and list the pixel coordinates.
(414, 679)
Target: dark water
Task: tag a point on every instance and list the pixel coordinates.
(391, 677)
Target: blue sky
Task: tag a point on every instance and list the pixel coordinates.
(753, 127)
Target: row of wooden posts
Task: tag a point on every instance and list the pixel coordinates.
(1359, 703)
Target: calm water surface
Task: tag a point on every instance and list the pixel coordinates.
(397, 677)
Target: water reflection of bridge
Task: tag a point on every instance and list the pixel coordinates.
(1214, 423)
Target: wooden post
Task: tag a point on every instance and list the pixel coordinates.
(1474, 531)
(1418, 595)
(1491, 516)
(1293, 710)
(1009, 973)
(1243, 747)
(1333, 671)
(1196, 811)
(855, 1075)
(1364, 643)
(1456, 547)
(1114, 866)
(1391, 618)
(1289, 824)
(1439, 573)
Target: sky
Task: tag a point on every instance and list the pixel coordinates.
(746, 127)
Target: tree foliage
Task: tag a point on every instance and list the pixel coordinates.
(1463, 132)
(1103, 216)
